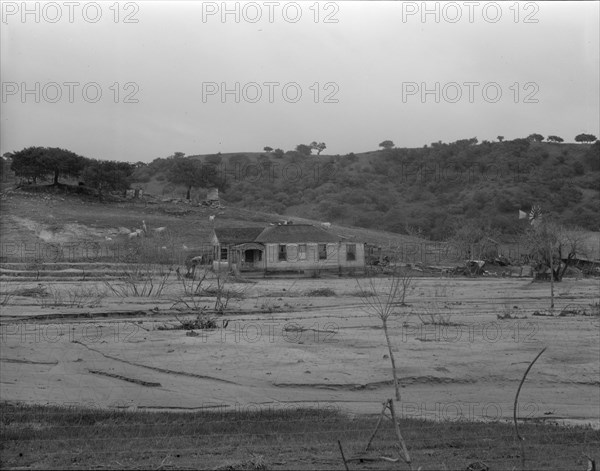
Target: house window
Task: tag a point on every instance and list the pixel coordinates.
(351, 252)
(223, 253)
(282, 253)
(302, 252)
(322, 251)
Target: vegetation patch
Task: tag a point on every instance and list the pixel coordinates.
(201, 321)
(273, 438)
(320, 292)
(37, 292)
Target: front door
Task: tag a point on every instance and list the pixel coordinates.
(252, 259)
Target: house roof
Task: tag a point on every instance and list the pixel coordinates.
(295, 233)
(237, 235)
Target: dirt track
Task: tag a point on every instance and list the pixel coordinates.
(282, 348)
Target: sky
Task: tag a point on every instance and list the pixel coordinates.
(133, 81)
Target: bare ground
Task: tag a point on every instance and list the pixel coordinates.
(278, 347)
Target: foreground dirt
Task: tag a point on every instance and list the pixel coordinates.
(282, 348)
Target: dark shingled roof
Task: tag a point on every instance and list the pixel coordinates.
(237, 235)
(295, 233)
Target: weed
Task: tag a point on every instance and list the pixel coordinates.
(138, 281)
(508, 313)
(192, 294)
(436, 315)
(74, 297)
(222, 293)
(201, 322)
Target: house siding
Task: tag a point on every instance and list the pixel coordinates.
(336, 257)
(336, 254)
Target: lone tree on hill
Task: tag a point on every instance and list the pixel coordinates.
(555, 139)
(585, 138)
(320, 147)
(268, 149)
(500, 138)
(387, 144)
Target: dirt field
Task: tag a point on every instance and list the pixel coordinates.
(277, 346)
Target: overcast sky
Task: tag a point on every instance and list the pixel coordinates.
(361, 69)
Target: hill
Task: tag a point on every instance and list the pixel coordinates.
(38, 221)
(428, 191)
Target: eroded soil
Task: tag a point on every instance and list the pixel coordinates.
(278, 347)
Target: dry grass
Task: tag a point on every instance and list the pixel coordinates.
(284, 438)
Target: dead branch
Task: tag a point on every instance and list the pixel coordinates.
(399, 435)
(381, 416)
(343, 457)
(521, 439)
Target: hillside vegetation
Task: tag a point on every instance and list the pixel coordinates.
(429, 191)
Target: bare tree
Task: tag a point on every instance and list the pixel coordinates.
(556, 247)
(381, 298)
(474, 240)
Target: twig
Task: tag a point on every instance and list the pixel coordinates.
(399, 435)
(521, 439)
(385, 404)
(361, 459)
(343, 457)
(591, 463)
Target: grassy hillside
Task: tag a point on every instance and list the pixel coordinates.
(35, 221)
(428, 191)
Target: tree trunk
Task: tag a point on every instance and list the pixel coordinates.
(55, 178)
(561, 273)
(551, 279)
(392, 359)
(189, 193)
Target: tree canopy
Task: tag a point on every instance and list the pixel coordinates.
(387, 144)
(192, 173)
(535, 137)
(304, 149)
(585, 138)
(42, 162)
(319, 147)
(104, 175)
